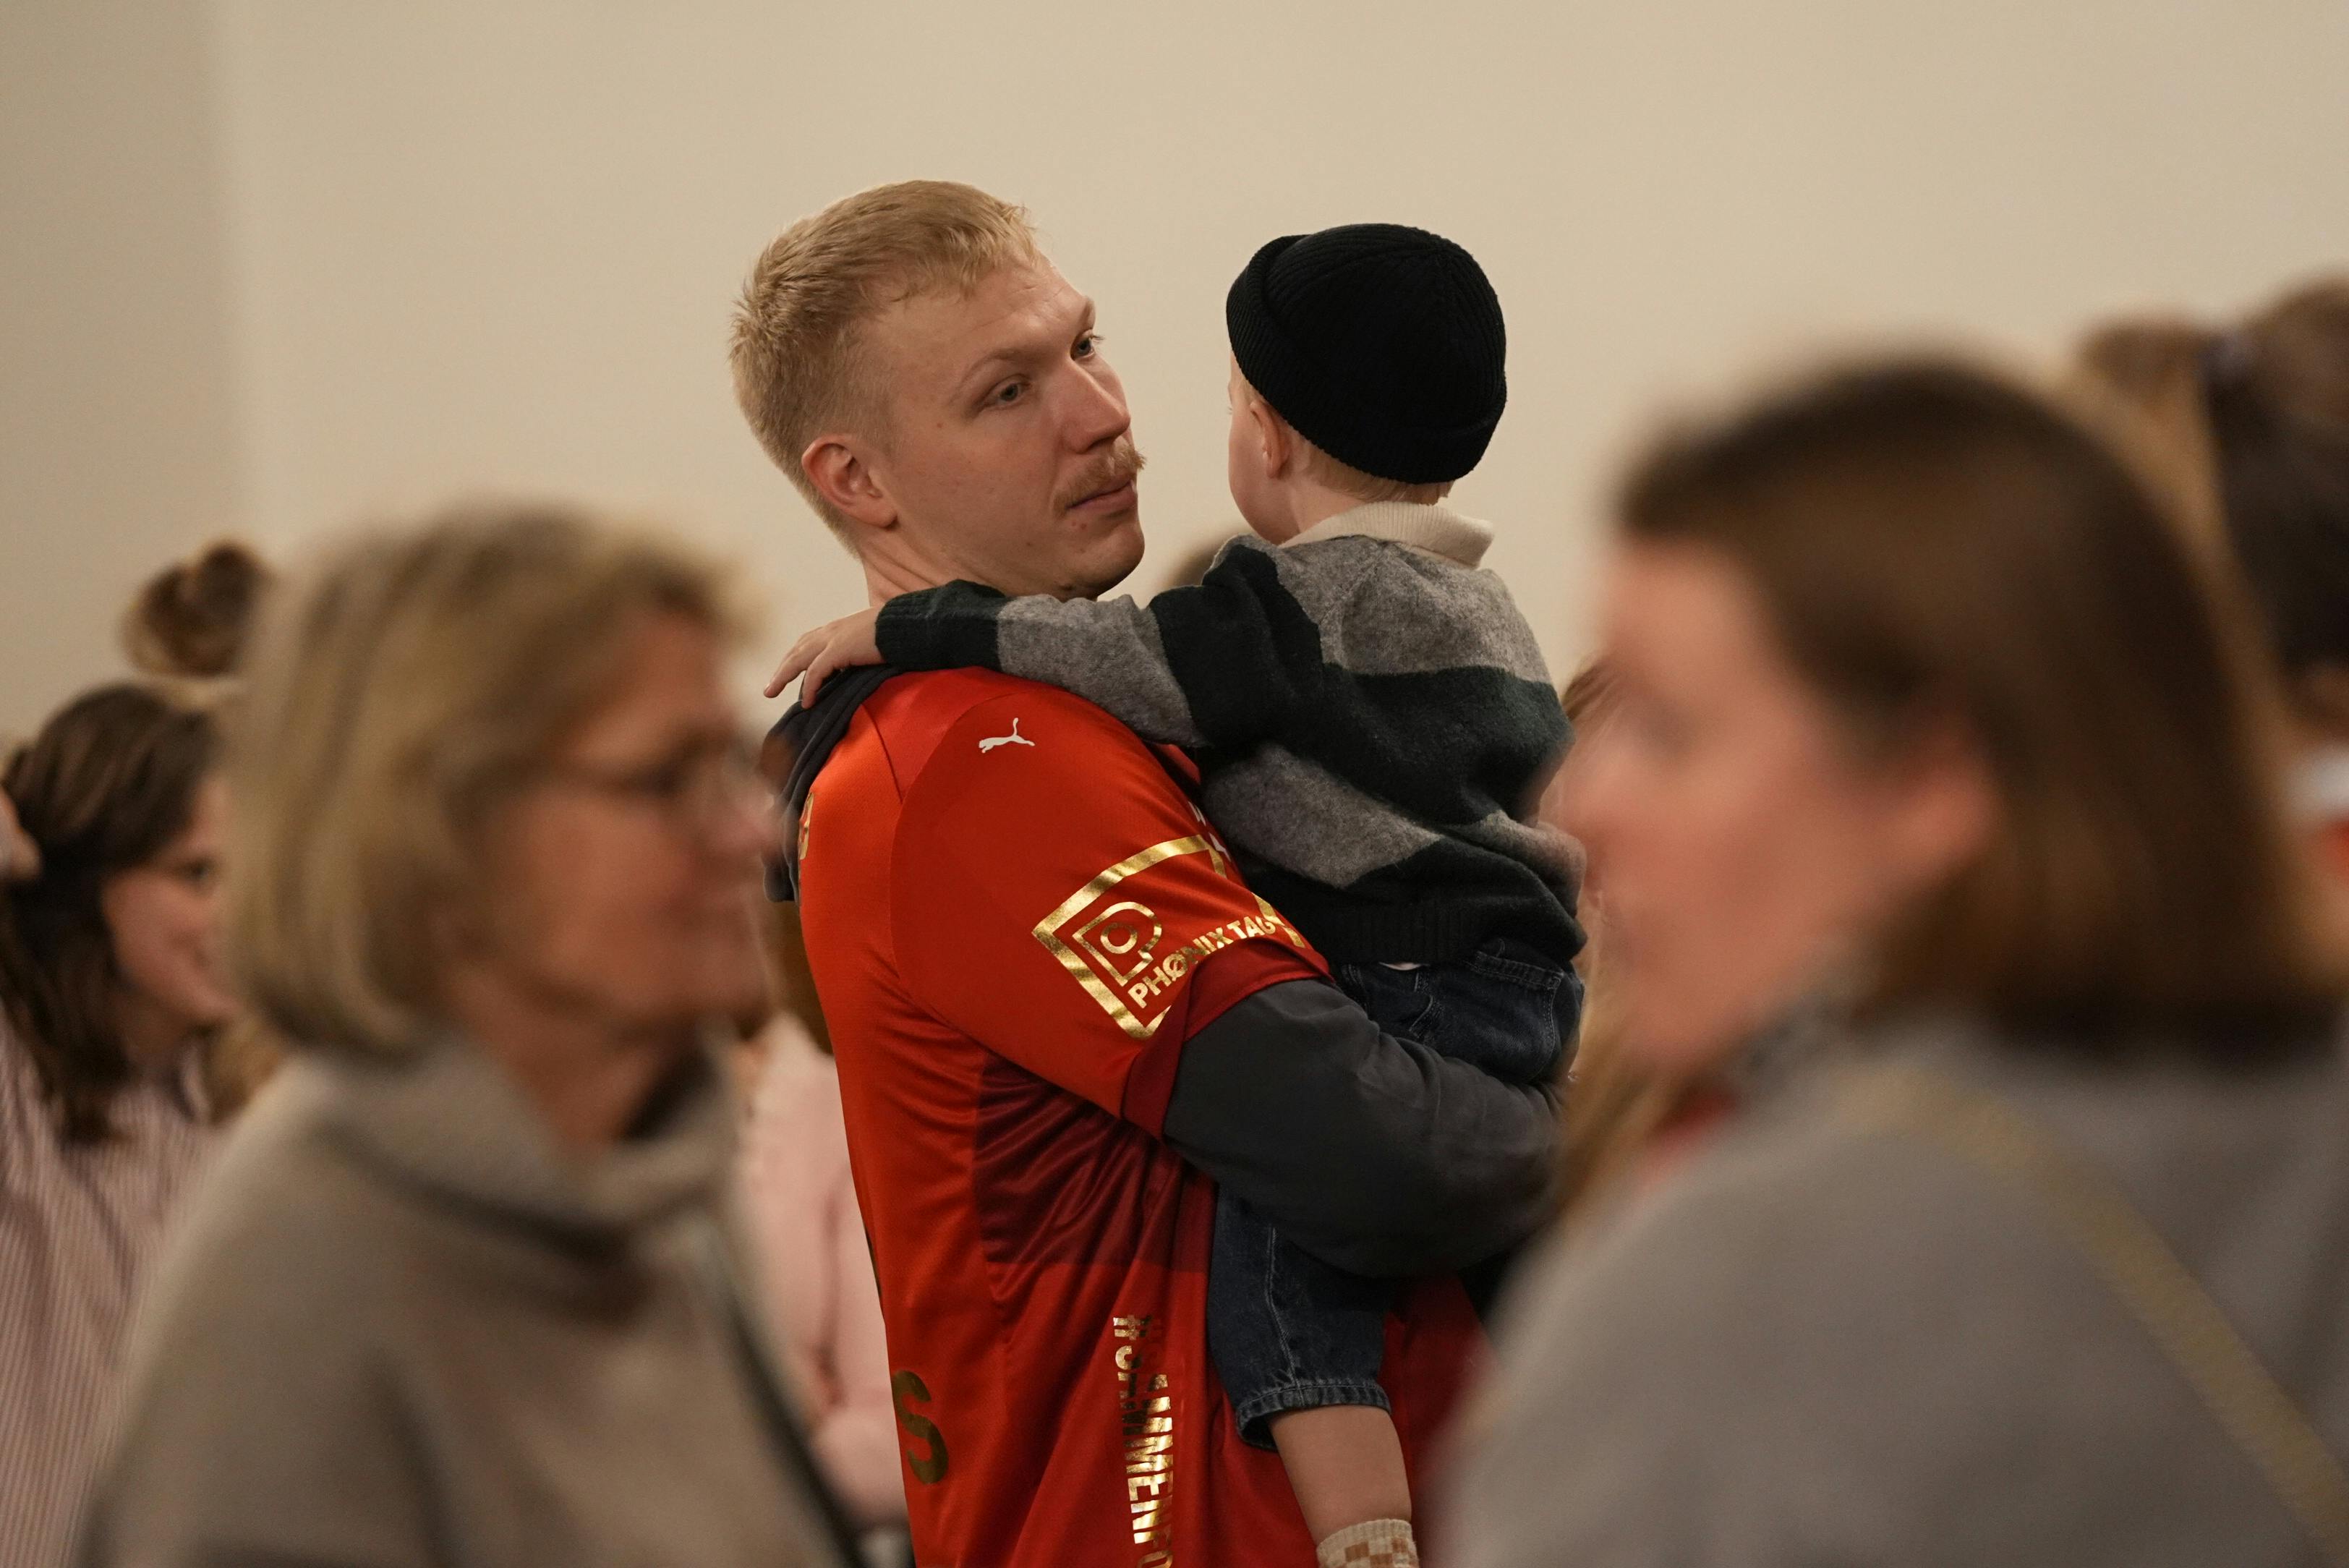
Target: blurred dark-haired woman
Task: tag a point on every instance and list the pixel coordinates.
(111, 988)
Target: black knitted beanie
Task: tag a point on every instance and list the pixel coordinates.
(1382, 345)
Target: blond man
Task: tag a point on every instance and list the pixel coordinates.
(1063, 1020)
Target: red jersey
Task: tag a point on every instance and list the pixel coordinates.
(1016, 915)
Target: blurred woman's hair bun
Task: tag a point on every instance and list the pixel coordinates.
(193, 619)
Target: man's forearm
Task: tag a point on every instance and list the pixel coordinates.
(1374, 1153)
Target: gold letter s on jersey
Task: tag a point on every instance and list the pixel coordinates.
(929, 1467)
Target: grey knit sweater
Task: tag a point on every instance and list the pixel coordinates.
(1371, 714)
(401, 1326)
(1828, 1342)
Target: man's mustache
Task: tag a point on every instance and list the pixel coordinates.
(1120, 465)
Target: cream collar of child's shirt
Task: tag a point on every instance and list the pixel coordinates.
(1431, 528)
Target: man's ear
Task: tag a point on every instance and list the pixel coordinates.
(842, 474)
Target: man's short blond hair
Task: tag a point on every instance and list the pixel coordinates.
(403, 688)
(797, 359)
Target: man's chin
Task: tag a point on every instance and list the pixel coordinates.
(1088, 556)
(1112, 559)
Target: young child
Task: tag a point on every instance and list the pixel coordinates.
(1374, 726)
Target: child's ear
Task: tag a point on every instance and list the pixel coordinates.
(1274, 439)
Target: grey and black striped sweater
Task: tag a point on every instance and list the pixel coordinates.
(1373, 720)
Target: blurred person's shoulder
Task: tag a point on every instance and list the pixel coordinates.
(1782, 1197)
(790, 1062)
(263, 1394)
(1847, 1326)
(795, 1117)
(1799, 1210)
(1749, 1361)
(287, 1223)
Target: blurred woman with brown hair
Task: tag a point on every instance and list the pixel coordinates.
(110, 991)
(119, 1045)
(2026, 1247)
(2247, 427)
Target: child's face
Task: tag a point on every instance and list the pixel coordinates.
(1253, 456)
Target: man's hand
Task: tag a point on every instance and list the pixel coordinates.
(20, 858)
(828, 650)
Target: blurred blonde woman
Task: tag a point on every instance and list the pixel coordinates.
(458, 1289)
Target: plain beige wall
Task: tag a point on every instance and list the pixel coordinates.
(471, 244)
(118, 443)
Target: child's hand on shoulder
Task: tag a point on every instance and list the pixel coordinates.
(820, 654)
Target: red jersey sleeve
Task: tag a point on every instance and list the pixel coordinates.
(1057, 896)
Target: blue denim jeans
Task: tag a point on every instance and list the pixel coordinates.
(1287, 1331)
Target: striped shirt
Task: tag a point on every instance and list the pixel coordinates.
(79, 1224)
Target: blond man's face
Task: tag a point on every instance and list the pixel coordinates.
(1007, 456)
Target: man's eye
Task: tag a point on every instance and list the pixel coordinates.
(1088, 346)
(200, 874)
(1007, 394)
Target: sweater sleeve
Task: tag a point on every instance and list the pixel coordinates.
(1221, 664)
(1368, 1150)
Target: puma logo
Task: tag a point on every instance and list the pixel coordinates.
(1013, 739)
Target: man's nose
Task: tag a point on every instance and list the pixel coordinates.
(1095, 411)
